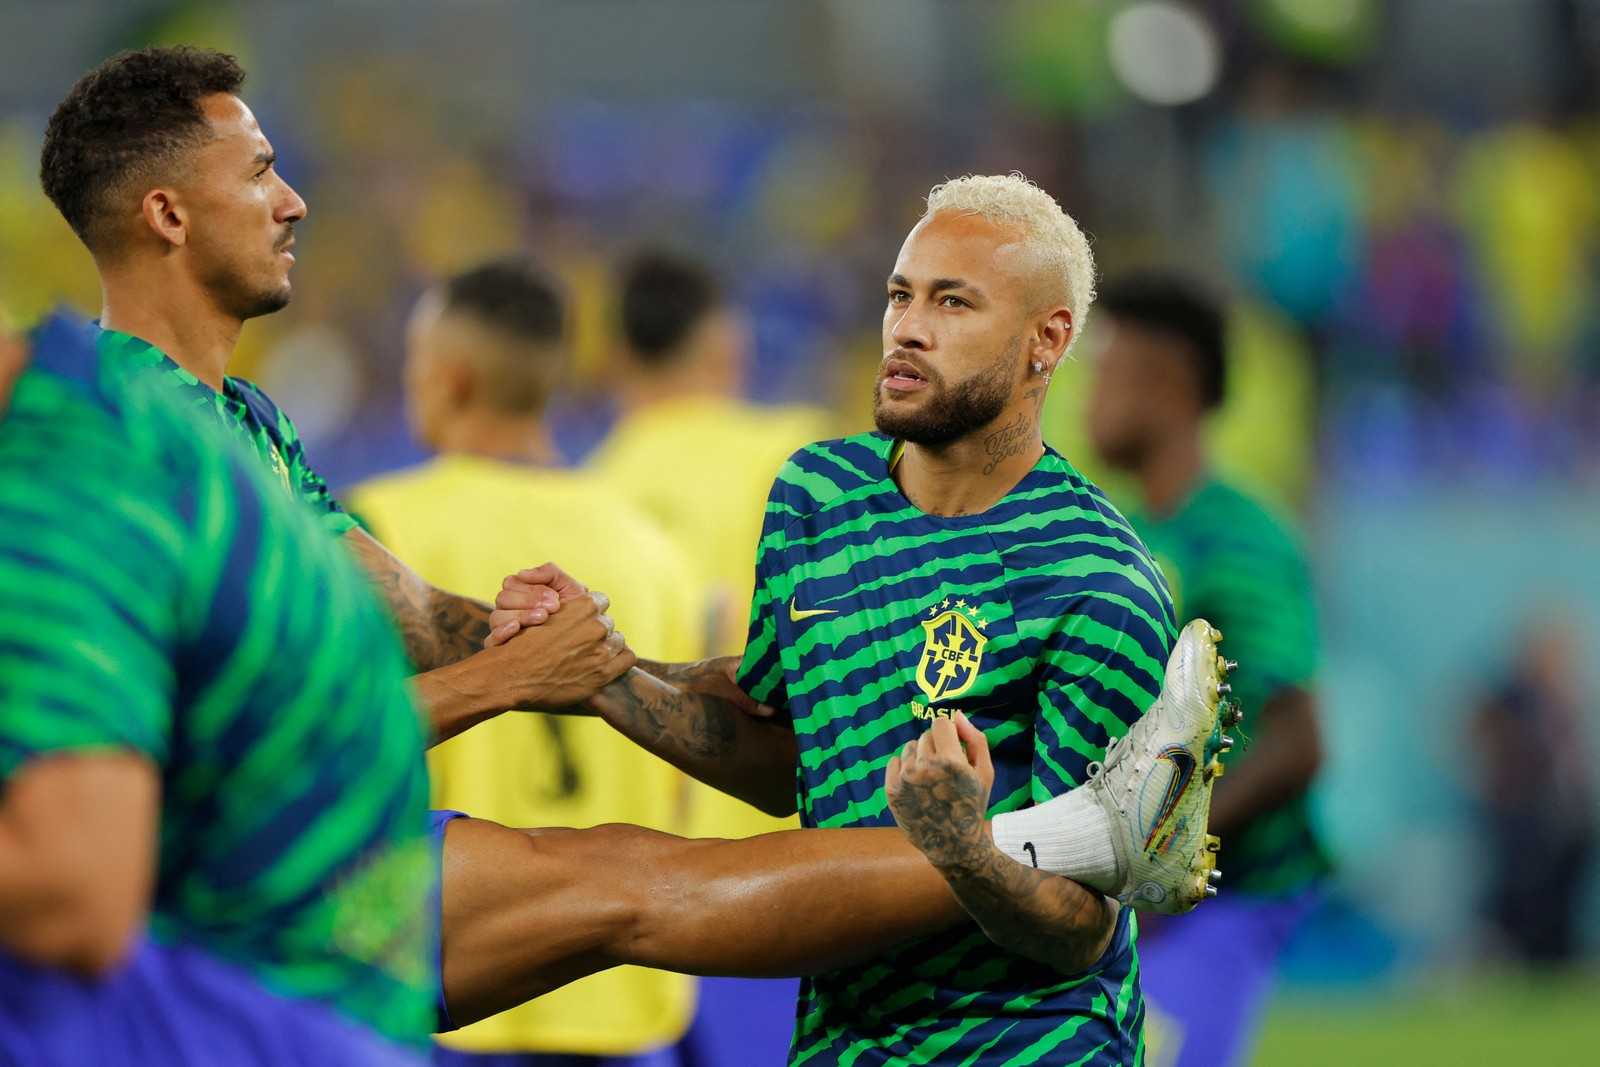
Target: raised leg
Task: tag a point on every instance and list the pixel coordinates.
(526, 911)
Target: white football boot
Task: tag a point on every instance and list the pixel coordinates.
(1155, 782)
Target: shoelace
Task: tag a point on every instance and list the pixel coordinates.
(1098, 767)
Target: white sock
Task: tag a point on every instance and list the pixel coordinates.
(1068, 835)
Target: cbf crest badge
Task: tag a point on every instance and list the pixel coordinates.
(952, 653)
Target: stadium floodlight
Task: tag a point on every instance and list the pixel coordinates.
(1164, 53)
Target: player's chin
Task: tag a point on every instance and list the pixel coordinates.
(269, 300)
(892, 423)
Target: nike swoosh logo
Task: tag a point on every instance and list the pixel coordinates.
(1182, 762)
(797, 614)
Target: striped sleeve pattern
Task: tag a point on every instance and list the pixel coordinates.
(271, 431)
(1102, 666)
(761, 672)
(87, 609)
(228, 639)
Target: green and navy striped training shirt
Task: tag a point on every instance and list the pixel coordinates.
(244, 410)
(1046, 622)
(234, 645)
(1236, 564)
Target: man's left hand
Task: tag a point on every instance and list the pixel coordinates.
(939, 792)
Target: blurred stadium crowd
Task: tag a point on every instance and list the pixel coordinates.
(1403, 200)
(1416, 240)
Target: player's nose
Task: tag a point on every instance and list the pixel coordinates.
(290, 207)
(909, 329)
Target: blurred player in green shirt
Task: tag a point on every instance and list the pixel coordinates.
(1159, 347)
(204, 857)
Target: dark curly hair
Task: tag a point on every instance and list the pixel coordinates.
(125, 120)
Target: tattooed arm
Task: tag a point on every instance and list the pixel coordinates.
(539, 656)
(938, 797)
(439, 628)
(704, 733)
(693, 715)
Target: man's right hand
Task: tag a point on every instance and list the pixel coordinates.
(528, 598)
(568, 658)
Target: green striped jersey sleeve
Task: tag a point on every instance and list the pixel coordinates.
(1102, 667)
(87, 609)
(761, 671)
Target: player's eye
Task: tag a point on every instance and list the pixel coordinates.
(954, 302)
(898, 296)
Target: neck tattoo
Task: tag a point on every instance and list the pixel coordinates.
(1012, 439)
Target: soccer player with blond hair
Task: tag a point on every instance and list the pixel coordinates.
(951, 565)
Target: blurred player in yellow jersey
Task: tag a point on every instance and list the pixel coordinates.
(484, 351)
(701, 460)
(687, 448)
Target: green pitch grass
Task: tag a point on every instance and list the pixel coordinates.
(1511, 1019)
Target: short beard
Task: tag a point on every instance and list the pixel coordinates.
(955, 411)
(266, 303)
(234, 296)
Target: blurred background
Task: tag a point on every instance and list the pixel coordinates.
(1402, 199)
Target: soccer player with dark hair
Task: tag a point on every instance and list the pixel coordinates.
(162, 171)
(205, 857)
(1160, 346)
(193, 239)
(694, 453)
(687, 446)
(951, 563)
(665, 299)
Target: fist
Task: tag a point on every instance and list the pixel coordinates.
(570, 658)
(528, 598)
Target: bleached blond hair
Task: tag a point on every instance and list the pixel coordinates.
(1062, 253)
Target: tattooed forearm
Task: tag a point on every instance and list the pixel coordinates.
(705, 736)
(665, 718)
(444, 630)
(1012, 439)
(1033, 913)
(438, 628)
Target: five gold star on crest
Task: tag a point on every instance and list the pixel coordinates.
(971, 613)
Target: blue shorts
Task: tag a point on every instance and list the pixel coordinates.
(437, 821)
(1203, 1007)
(174, 1006)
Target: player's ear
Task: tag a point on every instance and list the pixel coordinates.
(1052, 337)
(165, 214)
(456, 382)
